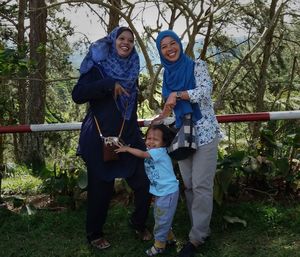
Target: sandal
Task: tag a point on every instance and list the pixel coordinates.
(171, 242)
(171, 239)
(144, 235)
(154, 250)
(100, 243)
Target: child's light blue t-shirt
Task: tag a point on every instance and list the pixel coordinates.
(160, 172)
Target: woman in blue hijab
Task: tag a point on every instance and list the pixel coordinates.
(187, 89)
(108, 83)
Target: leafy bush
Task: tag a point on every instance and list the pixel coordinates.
(271, 168)
(22, 184)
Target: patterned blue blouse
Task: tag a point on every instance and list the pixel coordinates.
(207, 127)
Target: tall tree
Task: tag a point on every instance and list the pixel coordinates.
(22, 88)
(114, 17)
(37, 85)
(238, 67)
(263, 73)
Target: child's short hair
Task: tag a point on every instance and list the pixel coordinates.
(168, 133)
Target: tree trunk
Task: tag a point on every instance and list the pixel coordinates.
(22, 89)
(1, 148)
(1, 122)
(207, 36)
(114, 17)
(261, 86)
(37, 87)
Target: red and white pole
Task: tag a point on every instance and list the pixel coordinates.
(226, 118)
(40, 127)
(259, 116)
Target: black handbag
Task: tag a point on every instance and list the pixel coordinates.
(184, 143)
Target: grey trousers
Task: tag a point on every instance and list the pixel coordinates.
(198, 173)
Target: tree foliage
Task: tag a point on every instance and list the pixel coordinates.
(251, 47)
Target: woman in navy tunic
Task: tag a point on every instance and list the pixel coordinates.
(108, 83)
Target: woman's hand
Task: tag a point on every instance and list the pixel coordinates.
(119, 90)
(171, 101)
(159, 119)
(168, 107)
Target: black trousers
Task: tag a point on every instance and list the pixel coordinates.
(99, 197)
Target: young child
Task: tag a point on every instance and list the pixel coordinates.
(163, 183)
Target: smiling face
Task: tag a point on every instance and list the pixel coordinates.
(170, 49)
(124, 43)
(154, 139)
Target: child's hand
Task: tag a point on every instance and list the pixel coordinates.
(122, 149)
(135, 151)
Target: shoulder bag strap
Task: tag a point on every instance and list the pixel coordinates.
(122, 127)
(97, 124)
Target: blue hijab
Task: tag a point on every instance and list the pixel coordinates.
(178, 76)
(103, 54)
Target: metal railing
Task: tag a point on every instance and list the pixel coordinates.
(226, 118)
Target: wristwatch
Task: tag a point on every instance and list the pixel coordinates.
(178, 95)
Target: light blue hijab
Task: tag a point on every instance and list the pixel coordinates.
(178, 76)
(103, 53)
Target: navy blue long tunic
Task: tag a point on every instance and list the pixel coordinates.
(98, 91)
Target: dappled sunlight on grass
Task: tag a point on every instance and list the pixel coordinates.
(21, 184)
(286, 242)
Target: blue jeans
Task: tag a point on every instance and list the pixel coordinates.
(164, 210)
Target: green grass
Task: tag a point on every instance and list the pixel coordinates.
(273, 230)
